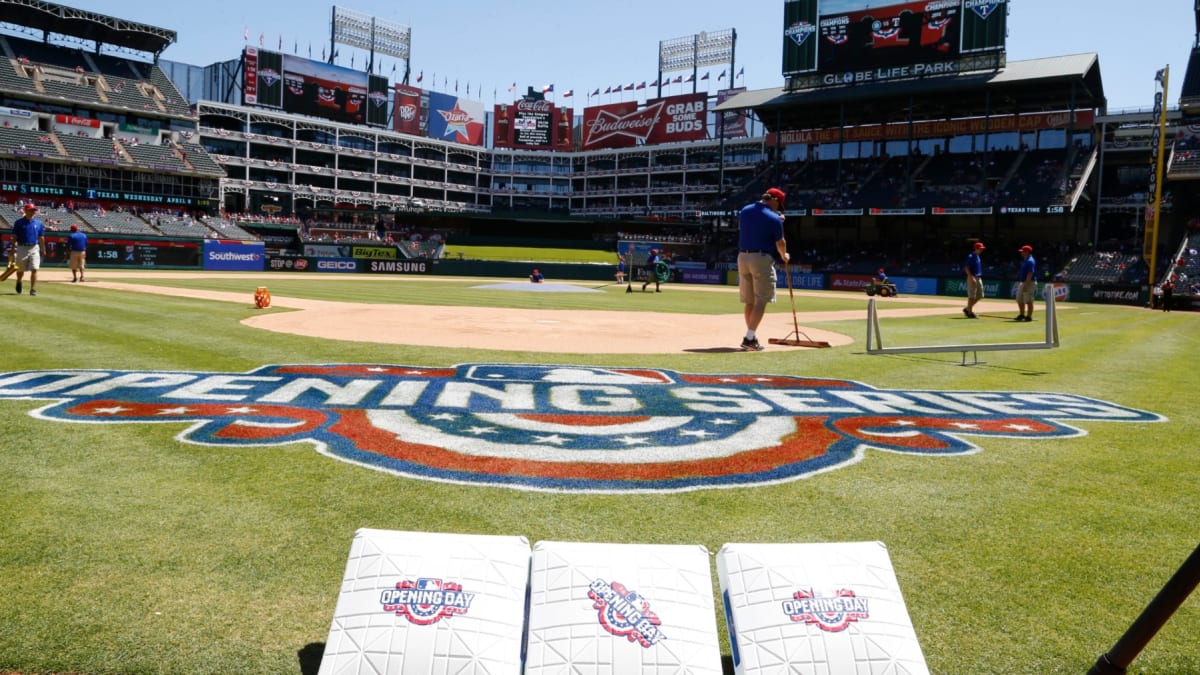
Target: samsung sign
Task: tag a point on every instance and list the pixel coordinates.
(234, 255)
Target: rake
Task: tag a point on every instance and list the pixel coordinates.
(794, 338)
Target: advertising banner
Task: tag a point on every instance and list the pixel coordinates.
(732, 124)
(250, 83)
(335, 265)
(406, 111)
(663, 120)
(564, 137)
(800, 280)
(398, 266)
(455, 119)
(222, 254)
(18, 119)
(1082, 119)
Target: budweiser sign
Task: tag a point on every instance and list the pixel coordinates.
(609, 128)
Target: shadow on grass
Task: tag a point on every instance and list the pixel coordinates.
(713, 350)
(310, 658)
(958, 364)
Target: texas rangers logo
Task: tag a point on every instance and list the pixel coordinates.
(983, 8)
(561, 427)
(269, 77)
(799, 31)
(832, 614)
(624, 613)
(426, 601)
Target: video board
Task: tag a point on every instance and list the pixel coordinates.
(532, 125)
(306, 87)
(850, 42)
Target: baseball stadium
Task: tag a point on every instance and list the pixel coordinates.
(359, 375)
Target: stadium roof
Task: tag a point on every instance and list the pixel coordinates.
(99, 28)
(1058, 83)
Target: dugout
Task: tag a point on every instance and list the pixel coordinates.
(1006, 154)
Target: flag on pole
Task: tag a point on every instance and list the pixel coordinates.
(245, 33)
(678, 79)
(420, 76)
(741, 71)
(280, 47)
(641, 86)
(295, 46)
(568, 93)
(607, 90)
(310, 50)
(322, 53)
(548, 89)
(704, 77)
(721, 76)
(689, 78)
(261, 39)
(655, 83)
(351, 60)
(595, 93)
(512, 87)
(630, 87)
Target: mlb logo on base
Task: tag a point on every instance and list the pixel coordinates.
(816, 608)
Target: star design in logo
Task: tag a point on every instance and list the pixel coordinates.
(456, 120)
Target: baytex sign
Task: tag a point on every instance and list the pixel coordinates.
(564, 427)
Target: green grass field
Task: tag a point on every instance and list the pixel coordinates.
(125, 550)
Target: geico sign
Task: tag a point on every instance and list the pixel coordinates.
(337, 265)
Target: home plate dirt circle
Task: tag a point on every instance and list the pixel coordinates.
(526, 330)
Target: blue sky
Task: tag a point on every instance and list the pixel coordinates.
(584, 44)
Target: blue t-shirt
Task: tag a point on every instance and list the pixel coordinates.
(759, 228)
(27, 231)
(1028, 270)
(77, 241)
(974, 264)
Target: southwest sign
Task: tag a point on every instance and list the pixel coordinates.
(560, 427)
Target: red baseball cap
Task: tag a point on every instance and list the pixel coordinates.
(777, 194)
(1026, 249)
(29, 205)
(979, 246)
(74, 228)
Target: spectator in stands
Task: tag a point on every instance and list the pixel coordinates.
(1026, 283)
(77, 245)
(973, 268)
(760, 237)
(30, 241)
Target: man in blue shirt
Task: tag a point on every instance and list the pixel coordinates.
(1026, 284)
(77, 245)
(652, 261)
(30, 241)
(973, 268)
(760, 237)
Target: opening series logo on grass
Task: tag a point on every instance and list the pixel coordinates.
(560, 428)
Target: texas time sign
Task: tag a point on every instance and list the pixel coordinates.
(560, 428)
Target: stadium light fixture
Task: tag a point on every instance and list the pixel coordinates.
(695, 51)
(356, 29)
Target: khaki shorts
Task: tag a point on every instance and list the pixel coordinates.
(77, 260)
(756, 278)
(1025, 297)
(29, 258)
(975, 289)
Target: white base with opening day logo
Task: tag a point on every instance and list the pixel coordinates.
(816, 608)
(615, 609)
(418, 603)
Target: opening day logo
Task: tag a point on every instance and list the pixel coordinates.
(832, 614)
(625, 613)
(426, 601)
(560, 427)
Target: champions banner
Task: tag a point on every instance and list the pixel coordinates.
(407, 110)
(455, 119)
(663, 120)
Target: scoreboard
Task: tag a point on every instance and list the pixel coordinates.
(855, 42)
